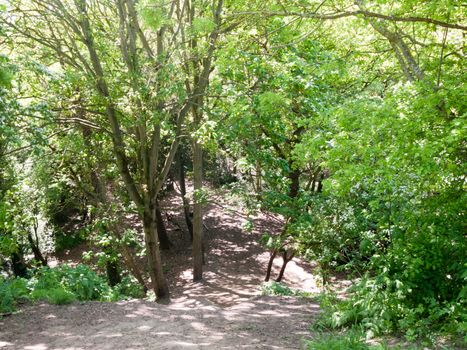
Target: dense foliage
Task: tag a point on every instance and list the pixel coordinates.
(63, 285)
(344, 119)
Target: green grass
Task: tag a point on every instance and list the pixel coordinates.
(351, 340)
(273, 288)
(57, 296)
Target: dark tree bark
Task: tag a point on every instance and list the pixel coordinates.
(36, 250)
(18, 266)
(164, 240)
(113, 273)
(159, 283)
(320, 185)
(112, 267)
(294, 178)
(271, 260)
(186, 204)
(286, 258)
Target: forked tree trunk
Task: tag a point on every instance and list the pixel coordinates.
(286, 258)
(36, 250)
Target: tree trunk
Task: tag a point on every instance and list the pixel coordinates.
(319, 189)
(294, 178)
(159, 283)
(186, 204)
(258, 180)
(271, 260)
(113, 273)
(17, 265)
(197, 213)
(286, 260)
(164, 241)
(36, 251)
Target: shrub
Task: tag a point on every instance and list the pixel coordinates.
(377, 310)
(12, 291)
(63, 285)
(128, 288)
(68, 240)
(83, 282)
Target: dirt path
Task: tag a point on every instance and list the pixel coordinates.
(224, 312)
(261, 323)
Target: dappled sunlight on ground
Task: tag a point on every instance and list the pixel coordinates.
(260, 323)
(236, 262)
(224, 311)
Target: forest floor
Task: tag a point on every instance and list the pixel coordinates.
(226, 311)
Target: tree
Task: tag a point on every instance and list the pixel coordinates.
(276, 94)
(82, 42)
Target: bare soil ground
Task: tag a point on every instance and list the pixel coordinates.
(226, 311)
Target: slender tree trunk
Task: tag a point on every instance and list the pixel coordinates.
(197, 213)
(258, 179)
(36, 250)
(186, 204)
(159, 282)
(131, 265)
(269, 268)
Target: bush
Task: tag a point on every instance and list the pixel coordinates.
(83, 282)
(69, 240)
(377, 311)
(349, 341)
(12, 291)
(128, 288)
(63, 285)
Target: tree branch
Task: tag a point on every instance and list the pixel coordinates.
(365, 13)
